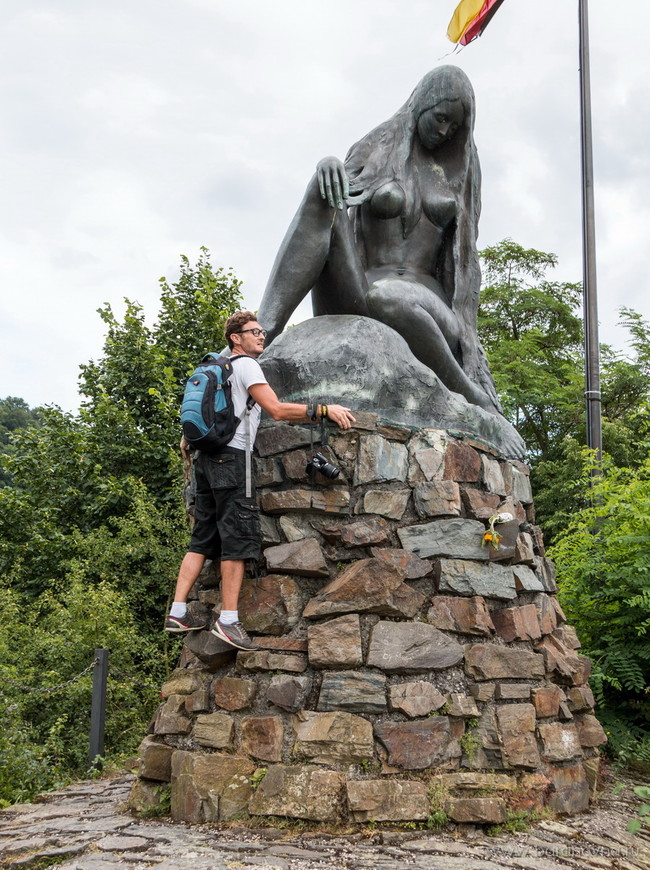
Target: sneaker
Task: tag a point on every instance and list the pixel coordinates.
(189, 622)
(234, 634)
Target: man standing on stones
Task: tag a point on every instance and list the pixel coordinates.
(227, 525)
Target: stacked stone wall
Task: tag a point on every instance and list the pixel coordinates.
(406, 669)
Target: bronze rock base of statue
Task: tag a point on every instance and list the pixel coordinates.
(364, 364)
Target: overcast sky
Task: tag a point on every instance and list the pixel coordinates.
(138, 130)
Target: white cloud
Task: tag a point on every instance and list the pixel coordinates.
(136, 131)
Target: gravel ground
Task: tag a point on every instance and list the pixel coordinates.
(86, 827)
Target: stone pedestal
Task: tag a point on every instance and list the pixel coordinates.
(406, 669)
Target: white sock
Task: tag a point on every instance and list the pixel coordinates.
(178, 609)
(229, 617)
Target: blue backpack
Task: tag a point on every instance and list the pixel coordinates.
(207, 413)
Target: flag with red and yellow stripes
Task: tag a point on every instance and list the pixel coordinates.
(470, 19)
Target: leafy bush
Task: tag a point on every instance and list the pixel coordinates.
(44, 735)
(24, 768)
(603, 562)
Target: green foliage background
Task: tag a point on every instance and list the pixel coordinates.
(92, 529)
(531, 328)
(603, 560)
(532, 331)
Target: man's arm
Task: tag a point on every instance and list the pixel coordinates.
(293, 412)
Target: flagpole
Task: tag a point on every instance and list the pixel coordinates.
(590, 299)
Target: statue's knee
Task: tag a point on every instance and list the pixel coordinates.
(313, 188)
(313, 202)
(383, 304)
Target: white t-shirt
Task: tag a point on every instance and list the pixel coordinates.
(246, 372)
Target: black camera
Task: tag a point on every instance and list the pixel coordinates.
(319, 463)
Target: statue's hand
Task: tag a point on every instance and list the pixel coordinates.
(333, 181)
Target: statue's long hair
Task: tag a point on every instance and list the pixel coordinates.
(386, 155)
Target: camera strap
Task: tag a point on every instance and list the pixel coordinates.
(323, 443)
(312, 472)
(249, 447)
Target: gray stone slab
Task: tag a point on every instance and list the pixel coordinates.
(47, 857)
(270, 861)
(492, 475)
(380, 460)
(122, 843)
(435, 846)
(409, 647)
(355, 692)
(105, 811)
(387, 503)
(453, 538)
(104, 799)
(76, 790)
(30, 813)
(26, 844)
(521, 489)
(428, 862)
(545, 571)
(198, 859)
(139, 858)
(239, 846)
(469, 578)
(526, 579)
(96, 826)
(270, 533)
(276, 438)
(164, 833)
(437, 498)
(289, 851)
(303, 557)
(105, 861)
(125, 781)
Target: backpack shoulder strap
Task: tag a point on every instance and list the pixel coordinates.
(250, 401)
(250, 404)
(218, 360)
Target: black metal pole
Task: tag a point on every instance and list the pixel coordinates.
(98, 710)
(590, 296)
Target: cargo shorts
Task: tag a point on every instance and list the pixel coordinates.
(226, 523)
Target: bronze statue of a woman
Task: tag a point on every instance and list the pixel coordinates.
(391, 234)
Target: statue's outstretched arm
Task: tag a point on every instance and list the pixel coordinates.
(320, 234)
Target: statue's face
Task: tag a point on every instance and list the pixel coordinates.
(439, 123)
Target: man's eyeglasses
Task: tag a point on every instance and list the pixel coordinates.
(256, 332)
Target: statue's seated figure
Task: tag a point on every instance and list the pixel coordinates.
(391, 234)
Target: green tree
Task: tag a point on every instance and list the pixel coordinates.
(533, 339)
(182, 336)
(532, 332)
(92, 532)
(77, 474)
(133, 392)
(130, 409)
(15, 414)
